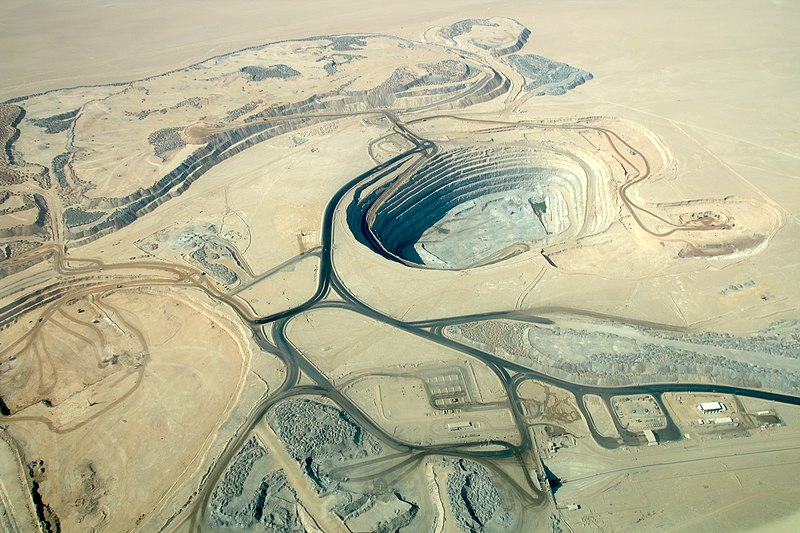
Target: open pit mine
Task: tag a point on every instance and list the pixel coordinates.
(363, 282)
(465, 206)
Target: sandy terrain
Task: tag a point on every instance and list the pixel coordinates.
(350, 267)
(18, 512)
(104, 425)
(601, 417)
(683, 486)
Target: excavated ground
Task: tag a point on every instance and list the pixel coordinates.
(468, 206)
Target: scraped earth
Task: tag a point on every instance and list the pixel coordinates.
(105, 384)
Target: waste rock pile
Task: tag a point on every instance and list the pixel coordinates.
(248, 497)
(474, 499)
(545, 76)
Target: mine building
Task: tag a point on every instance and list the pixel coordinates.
(708, 408)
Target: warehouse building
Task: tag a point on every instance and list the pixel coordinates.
(708, 408)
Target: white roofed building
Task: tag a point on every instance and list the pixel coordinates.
(711, 407)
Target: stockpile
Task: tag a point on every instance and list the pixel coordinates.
(545, 76)
(248, 497)
(474, 499)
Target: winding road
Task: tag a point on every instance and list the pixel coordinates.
(95, 277)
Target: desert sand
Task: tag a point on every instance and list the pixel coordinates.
(443, 266)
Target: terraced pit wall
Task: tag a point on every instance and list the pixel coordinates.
(469, 177)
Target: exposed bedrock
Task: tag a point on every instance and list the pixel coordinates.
(468, 206)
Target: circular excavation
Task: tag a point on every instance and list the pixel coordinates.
(467, 207)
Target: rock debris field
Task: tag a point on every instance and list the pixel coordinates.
(322, 438)
(615, 354)
(547, 77)
(474, 500)
(248, 497)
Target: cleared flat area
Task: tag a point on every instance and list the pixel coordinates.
(638, 413)
(701, 484)
(414, 389)
(601, 416)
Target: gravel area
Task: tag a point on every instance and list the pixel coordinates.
(463, 26)
(279, 71)
(238, 112)
(165, 140)
(474, 499)
(56, 123)
(619, 354)
(205, 257)
(322, 438)
(545, 76)
(77, 217)
(318, 435)
(247, 497)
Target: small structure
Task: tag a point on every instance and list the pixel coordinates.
(708, 408)
(651, 437)
(722, 420)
